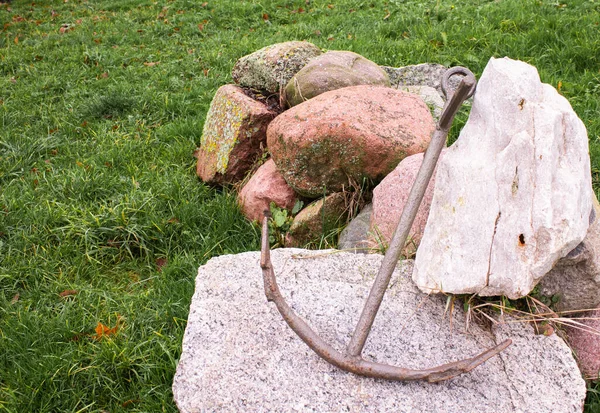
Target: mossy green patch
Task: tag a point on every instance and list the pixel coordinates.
(221, 129)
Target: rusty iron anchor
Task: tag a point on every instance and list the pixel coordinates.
(351, 360)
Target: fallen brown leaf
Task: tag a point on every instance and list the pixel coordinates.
(150, 64)
(103, 331)
(15, 298)
(67, 293)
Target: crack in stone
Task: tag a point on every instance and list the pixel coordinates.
(533, 182)
(511, 386)
(487, 276)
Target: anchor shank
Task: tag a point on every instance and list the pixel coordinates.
(438, 142)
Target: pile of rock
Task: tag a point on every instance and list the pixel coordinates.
(511, 201)
(327, 122)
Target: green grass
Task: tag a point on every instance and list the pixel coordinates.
(97, 186)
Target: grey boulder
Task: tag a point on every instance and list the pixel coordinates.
(330, 71)
(575, 279)
(271, 67)
(424, 74)
(430, 96)
(355, 237)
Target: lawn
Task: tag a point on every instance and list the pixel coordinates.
(103, 222)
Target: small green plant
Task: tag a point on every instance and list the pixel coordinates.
(280, 223)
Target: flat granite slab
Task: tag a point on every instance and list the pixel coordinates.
(240, 356)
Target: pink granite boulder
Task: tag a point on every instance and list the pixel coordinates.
(389, 199)
(352, 134)
(585, 342)
(265, 186)
(234, 135)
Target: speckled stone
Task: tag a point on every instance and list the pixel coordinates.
(430, 96)
(239, 355)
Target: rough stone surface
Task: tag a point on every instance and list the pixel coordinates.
(234, 135)
(317, 219)
(575, 279)
(355, 237)
(424, 74)
(389, 199)
(585, 342)
(271, 67)
(358, 132)
(430, 96)
(513, 194)
(330, 71)
(239, 354)
(265, 186)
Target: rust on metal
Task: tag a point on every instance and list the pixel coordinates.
(352, 360)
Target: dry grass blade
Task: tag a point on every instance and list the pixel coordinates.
(538, 314)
